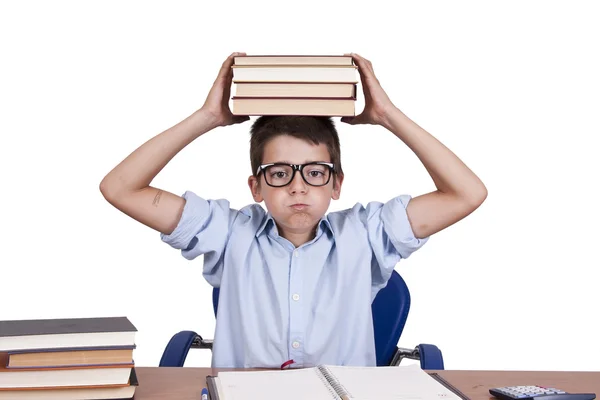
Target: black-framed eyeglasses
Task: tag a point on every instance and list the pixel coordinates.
(281, 174)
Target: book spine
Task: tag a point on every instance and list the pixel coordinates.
(338, 391)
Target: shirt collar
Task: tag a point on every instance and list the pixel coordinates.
(269, 222)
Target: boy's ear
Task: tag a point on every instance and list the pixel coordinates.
(337, 187)
(255, 189)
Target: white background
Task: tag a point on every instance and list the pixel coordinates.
(512, 88)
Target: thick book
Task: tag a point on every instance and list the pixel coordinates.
(295, 89)
(70, 357)
(293, 60)
(330, 382)
(106, 392)
(70, 332)
(295, 73)
(14, 378)
(317, 106)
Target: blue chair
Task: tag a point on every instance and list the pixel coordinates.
(390, 311)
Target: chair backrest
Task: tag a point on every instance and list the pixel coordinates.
(390, 311)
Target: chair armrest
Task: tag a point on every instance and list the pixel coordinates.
(200, 343)
(428, 354)
(178, 347)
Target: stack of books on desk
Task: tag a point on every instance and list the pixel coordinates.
(78, 358)
(294, 85)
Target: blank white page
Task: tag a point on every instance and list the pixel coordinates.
(291, 384)
(408, 382)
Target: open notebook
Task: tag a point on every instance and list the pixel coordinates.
(330, 382)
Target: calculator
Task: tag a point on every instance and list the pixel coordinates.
(537, 392)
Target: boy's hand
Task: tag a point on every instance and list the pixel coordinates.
(217, 101)
(377, 102)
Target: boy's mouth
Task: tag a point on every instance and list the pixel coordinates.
(299, 206)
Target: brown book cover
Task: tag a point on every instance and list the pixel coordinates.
(4, 369)
(294, 98)
(11, 378)
(81, 356)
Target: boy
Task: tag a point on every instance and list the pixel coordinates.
(295, 284)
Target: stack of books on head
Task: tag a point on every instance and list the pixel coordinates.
(78, 358)
(294, 85)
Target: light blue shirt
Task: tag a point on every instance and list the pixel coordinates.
(310, 304)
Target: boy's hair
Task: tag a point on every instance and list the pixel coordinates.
(312, 129)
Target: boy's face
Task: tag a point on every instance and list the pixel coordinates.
(298, 206)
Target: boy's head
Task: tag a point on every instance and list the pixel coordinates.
(311, 142)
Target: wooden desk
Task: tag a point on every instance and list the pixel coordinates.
(186, 383)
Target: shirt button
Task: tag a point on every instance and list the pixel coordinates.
(296, 253)
(295, 345)
(296, 297)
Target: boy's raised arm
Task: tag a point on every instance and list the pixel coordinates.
(127, 186)
(459, 191)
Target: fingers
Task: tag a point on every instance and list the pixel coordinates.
(227, 91)
(359, 119)
(226, 71)
(347, 120)
(240, 118)
(235, 119)
(362, 62)
(365, 67)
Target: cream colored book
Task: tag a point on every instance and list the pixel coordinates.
(103, 392)
(294, 89)
(54, 377)
(332, 107)
(330, 383)
(293, 60)
(295, 73)
(117, 393)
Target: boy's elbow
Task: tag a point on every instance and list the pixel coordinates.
(478, 196)
(108, 189)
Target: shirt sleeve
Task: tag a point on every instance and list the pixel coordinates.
(391, 237)
(203, 229)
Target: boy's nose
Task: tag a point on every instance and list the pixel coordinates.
(297, 185)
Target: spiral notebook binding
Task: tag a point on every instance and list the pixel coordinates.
(339, 389)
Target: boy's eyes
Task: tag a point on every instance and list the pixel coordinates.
(313, 174)
(279, 174)
(282, 172)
